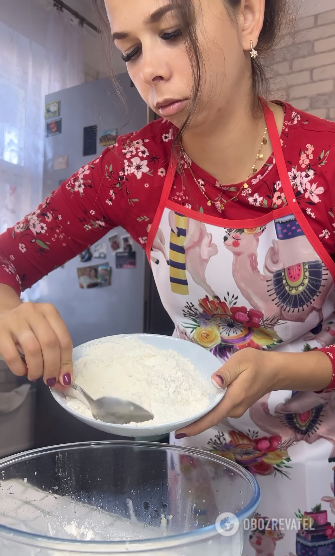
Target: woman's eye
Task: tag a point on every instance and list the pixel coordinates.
(165, 37)
(173, 35)
(128, 57)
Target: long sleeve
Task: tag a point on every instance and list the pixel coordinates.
(74, 217)
(120, 188)
(330, 352)
(330, 349)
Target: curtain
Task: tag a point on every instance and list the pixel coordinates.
(41, 51)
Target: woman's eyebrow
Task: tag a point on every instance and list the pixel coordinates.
(155, 17)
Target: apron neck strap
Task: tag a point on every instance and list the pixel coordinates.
(278, 153)
(277, 150)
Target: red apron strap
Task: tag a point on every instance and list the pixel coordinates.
(289, 193)
(169, 179)
(278, 154)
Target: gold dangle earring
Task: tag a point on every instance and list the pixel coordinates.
(253, 52)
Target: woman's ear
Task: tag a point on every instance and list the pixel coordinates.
(252, 21)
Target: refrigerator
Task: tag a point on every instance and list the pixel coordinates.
(130, 304)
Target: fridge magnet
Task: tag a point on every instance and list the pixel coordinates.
(54, 127)
(115, 243)
(127, 244)
(97, 276)
(125, 259)
(88, 277)
(61, 162)
(100, 251)
(104, 274)
(52, 110)
(90, 140)
(85, 256)
(108, 138)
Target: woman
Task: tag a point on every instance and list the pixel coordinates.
(238, 210)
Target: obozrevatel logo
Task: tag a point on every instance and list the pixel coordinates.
(227, 524)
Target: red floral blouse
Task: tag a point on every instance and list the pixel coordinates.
(123, 186)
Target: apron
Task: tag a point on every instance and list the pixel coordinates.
(266, 283)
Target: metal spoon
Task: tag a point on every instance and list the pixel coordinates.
(115, 410)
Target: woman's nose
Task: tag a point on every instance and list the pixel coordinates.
(154, 69)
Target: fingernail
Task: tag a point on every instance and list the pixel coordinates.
(216, 383)
(51, 382)
(67, 379)
(180, 436)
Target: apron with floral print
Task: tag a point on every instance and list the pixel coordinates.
(266, 283)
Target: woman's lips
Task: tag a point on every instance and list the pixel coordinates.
(172, 108)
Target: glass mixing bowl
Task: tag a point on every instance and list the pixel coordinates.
(123, 497)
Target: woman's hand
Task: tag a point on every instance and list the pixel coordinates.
(250, 374)
(37, 331)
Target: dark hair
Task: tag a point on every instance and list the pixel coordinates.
(277, 16)
(277, 19)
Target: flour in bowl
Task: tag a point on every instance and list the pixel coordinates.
(162, 381)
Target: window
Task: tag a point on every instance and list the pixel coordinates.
(12, 123)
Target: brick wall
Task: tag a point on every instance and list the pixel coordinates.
(304, 67)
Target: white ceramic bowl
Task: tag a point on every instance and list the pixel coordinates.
(204, 361)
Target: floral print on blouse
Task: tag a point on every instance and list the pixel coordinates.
(122, 187)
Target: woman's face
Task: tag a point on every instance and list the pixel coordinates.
(148, 34)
